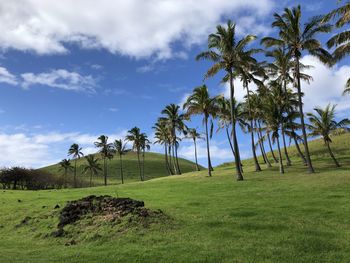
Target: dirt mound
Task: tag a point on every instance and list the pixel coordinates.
(108, 207)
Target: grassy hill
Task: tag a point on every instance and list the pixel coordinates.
(154, 168)
(295, 217)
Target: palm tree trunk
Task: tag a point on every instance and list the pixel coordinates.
(105, 170)
(90, 178)
(234, 135)
(263, 147)
(121, 168)
(207, 139)
(170, 160)
(174, 159)
(177, 160)
(331, 154)
(271, 150)
(256, 163)
(280, 155)
(298, 148)
(306, 146)
(195, 154)
(166, 159)
(229, 140)
(259, 142)
(75, 173)
(289, 163)
(139, 162)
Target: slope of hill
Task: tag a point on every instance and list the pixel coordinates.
(154, 168)
(295, 217)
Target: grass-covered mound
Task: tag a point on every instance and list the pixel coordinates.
(295, 217)
(154, 168)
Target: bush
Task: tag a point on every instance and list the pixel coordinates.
(30, 179)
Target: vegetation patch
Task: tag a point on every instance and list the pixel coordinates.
(125, 212)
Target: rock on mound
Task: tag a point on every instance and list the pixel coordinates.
(109, 207)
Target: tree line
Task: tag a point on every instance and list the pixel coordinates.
(275, 110)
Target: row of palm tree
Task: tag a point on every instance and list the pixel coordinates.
(107, 151)
(272, 112)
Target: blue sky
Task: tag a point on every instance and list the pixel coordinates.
(68, 76)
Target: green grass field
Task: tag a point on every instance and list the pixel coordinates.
(154, 168)
(295, 217)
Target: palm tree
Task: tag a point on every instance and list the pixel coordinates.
(274, 117)
(340, 41)
(229, 55)
(134, 136)
(297, 38)
(194, 135)
(323, 123)
(145, 146)
(200, 102)
(106, 151)
(224, 116)
(175, 122)
(92, 166)
(162, 137)
(120, 149)
(75, 152)
(66, 166)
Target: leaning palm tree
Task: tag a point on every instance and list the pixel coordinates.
(298, 38)
(323, 123)
(340, 41)
(175, 121)
(65, 166)
(200, 102)
(162, 137)
(106, 151)
(75, 152)
(120, 149)
(194, 135)
(134, 136)
(93, 166)
(229, 55)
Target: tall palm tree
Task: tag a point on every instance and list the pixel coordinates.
(298, 38)
(274, 118)
(175, 122)
(323, 123)
(65, 166)
(224, 117)
(75, 152)
(145, 146)
(200, 102)
(194, 135)
(229, 55)
(120, 149)
(248, 75)
(162, 137)
(134, 136)
(340, 41)
(106, 151)
(93, 166)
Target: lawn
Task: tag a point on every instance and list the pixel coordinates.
(295, 217)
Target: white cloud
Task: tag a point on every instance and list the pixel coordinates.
(61, 79)
(135, 28)
(217, 151)
(7, 77)
(113, 109)
(327, 85)
(36, 150)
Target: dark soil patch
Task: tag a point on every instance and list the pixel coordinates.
(106, 207)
